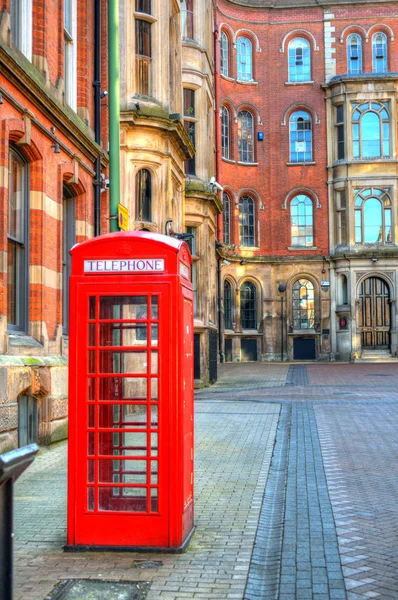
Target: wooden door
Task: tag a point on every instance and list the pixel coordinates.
(374, 314)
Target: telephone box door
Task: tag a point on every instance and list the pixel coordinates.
(121, 475)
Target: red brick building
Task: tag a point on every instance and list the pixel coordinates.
(52, 168)
(306, 96)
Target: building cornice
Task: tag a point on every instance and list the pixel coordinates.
(281, 4)
(174, 128)
(25, 78)
(198, 191)
(362, 78)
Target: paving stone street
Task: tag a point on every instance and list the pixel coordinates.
(296, 494)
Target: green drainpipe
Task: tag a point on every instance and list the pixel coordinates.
(114, 111)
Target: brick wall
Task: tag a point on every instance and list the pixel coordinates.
(272, 100)
(33, 117)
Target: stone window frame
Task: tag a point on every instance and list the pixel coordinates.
(227, 218)
(254, 305)
(292, 76)
(249, 57)
(358, 110)
(225, 54)
(226, 132)
(228, 305)
(247, 155)
(376, 49)
(351, 56)
(249, 227)
(299, 114)
(361, 196)
(306, 216)
(23, 246)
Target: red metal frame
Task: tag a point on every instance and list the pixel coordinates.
(130, 477)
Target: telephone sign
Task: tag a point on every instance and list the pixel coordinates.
(130, 478)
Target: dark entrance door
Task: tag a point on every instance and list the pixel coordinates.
(212, 356)
(304, 349)
(196, 356)
(374, 314)
(248, 350)
(228, 350)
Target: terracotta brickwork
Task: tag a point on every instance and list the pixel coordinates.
(280, 86)
(53, 147)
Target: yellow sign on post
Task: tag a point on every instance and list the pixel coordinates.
(123, 217)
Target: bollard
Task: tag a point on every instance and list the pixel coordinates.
(12, 465)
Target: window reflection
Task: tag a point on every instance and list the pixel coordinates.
(373, 221)
(373, 217)
(244, 59)
(302, 221)
(303, 298)
(371, 130)
(299, 60)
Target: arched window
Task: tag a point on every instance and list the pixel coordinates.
(245, 136)
(225, 139)
(302, 221)
(300, 137)
(379, 53)
(226, 218)
(224, 54)
(299, 60)
(18, 242)
(143, 195)
(303, 309)
(248, 312)
(245, 59)
(373, 217)
(354, 54)
(246, 221)
(371, 130)
(227, 305)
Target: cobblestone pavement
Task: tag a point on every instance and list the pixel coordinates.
(318, 522)
(234, 446)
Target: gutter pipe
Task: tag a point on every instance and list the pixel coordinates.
(114, 112)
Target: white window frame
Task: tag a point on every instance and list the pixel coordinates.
(21, 10)
(383, 57)
(70, 57)
(224, 54)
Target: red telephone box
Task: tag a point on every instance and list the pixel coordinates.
(130, 474)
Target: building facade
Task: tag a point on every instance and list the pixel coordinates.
(307, 158)
(52, 163)
(167, 142)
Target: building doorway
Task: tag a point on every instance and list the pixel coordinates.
(304, 349)
(248, 350)
(374, 319)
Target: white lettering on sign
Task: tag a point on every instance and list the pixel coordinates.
(124, 265)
